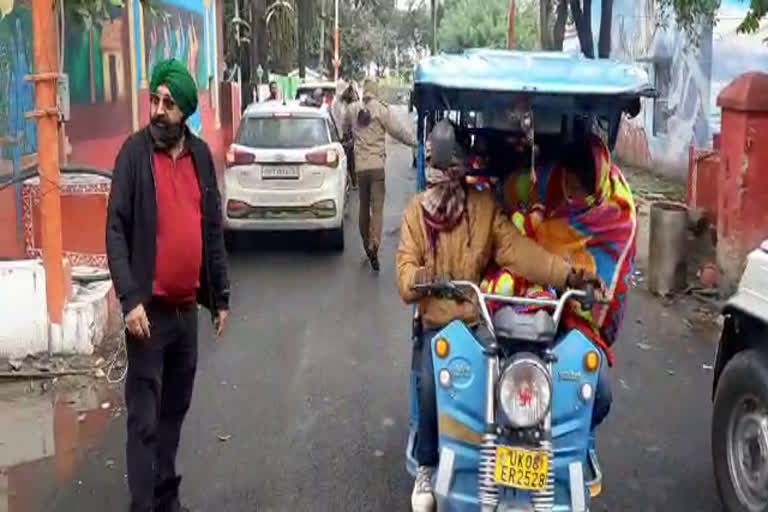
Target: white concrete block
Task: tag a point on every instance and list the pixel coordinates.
(85, 319)
(23, 308)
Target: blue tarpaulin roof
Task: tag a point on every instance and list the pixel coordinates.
(532, 72)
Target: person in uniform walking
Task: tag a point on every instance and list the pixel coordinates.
(370, 120)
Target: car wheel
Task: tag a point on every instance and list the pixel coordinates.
(740, 433)
(335, 238)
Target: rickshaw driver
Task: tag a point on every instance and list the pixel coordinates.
(452, 231)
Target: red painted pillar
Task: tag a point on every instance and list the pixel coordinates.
(511, 25)
(743, 190)
(46, 69)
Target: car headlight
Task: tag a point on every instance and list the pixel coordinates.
(525, 391)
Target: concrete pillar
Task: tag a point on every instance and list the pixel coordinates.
(743, 185)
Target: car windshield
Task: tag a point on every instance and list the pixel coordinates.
(283, 132)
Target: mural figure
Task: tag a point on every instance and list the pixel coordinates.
(94, 54)
(112, 61)
(679, 117)
(173, 32)
(18, 135)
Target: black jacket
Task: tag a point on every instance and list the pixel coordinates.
(132, 225)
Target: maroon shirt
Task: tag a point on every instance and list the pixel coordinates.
(179, 229)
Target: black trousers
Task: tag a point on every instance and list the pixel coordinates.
(158, 391)
(427, 442)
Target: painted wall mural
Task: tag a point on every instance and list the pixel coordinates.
(95, 55)
(173, 31)
(734, 54)
(18, 135)
(680, 115)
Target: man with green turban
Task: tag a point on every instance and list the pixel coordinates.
(165, 247)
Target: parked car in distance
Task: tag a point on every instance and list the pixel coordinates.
(286, 171)
(306, 89)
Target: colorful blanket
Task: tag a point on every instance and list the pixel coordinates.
(596, 233)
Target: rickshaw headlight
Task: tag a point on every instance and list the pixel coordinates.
(525, 391)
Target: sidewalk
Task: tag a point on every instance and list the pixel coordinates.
(696, 309)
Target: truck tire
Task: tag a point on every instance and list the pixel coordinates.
(740, 432)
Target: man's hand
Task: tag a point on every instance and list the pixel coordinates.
(137, 323)
(220, 321)
(579, 279)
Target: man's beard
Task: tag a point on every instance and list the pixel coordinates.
(165, 133)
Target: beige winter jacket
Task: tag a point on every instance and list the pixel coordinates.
(370, 140)
(464, 253)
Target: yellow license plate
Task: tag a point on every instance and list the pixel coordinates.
(521, 468)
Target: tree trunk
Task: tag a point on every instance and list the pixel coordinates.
(261, 35)
(303, 29)
(558, 31)
(606, 25)
(582, 17)
(545, 33)
(321, 52)
(258, 47)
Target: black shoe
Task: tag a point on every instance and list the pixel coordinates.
(373, 255)
(173, 507)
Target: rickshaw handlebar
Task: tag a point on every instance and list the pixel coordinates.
(456, 290)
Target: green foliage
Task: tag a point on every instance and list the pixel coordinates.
(93, 12)
(691, 15)
(758, 10)
(464, 25)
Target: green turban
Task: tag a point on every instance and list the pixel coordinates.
(174, 75)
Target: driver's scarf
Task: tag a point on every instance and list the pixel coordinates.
(445, 200)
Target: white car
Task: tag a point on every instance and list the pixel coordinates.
(286, 171)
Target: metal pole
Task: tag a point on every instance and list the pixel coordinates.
(320, 58)
(336, 56)
(434, 27)
(237, 26)
(47, 115)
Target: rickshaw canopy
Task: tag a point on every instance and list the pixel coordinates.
(479, 89)
(510, 71)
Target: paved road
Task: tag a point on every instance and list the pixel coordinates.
(311, 385)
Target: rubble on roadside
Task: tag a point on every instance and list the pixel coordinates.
(47, 366)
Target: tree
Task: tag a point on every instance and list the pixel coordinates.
(691, 15)
(280, 22)
(303, 18)
(553, 16)
(463, 25)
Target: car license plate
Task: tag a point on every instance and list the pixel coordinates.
(521, 468)
(279, 173)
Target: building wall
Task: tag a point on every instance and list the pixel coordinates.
(100, 63)
(688, 79)
(661, 135)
